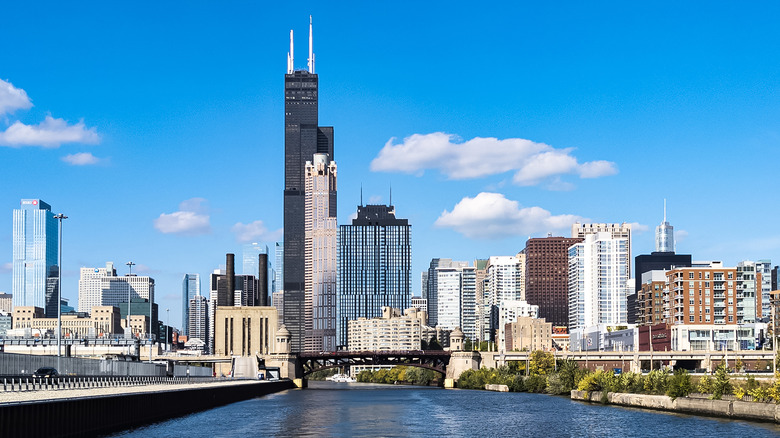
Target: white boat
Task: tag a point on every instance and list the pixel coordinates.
(341, 378)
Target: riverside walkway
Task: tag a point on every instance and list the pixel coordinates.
(75, 393)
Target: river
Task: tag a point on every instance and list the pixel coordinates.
(358, 409)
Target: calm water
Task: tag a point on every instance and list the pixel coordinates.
(345, 410)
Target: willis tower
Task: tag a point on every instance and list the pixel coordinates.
(302, 139)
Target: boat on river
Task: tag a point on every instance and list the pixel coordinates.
(341, 378)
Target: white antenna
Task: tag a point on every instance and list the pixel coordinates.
(664, 209)
(311, 48)
(290, 55)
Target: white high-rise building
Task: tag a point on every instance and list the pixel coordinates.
(617, 231)
(198, 324)
(504, 282)
(508, 312)
(456, 298)
(598, 281)
(102, 287)
(320, 254)
(764, 267)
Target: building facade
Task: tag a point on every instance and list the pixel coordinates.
(103, 287)
(104, 321)
(528, 334)
(547, 277)
(190, 287)
(34, 263)
(598, 281)
(198, 319)
(392, 331)
(244, 330)
(374, 266)
(321, 233)
(456, 296)
(303, 137)
(6, 302)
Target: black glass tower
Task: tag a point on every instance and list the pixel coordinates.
(302, 139)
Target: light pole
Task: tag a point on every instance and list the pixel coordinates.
(167, 326)
(151, 342)
(60, 217)
(130, 265)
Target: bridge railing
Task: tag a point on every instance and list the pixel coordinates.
(22, 383)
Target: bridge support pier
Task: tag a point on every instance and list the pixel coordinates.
(460, 361)
(289, 366)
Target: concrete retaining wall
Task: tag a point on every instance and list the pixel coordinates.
(715, 408)
(499, 388)
(101, 415)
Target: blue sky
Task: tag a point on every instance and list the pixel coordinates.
(158, 128)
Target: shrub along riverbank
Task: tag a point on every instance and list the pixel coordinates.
(399, 374)
(544, 375)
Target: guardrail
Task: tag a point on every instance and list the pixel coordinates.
(21, 383)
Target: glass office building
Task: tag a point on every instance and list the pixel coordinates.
(35, 245)
(374, 266)
(190, 288)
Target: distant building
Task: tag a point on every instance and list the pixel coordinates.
(504, 282)
(547, 277)
(105, 321)
(320, 253)
(190, 287)
(278, 302)
(198, 323)
(6, 303)
(456, 297)
(244, 330)
(102, 287)
(421, 304)
(528, 334)
(390, 332)
(256, 261)
(764, 268)
(5, 323)
(616, 231)
(139, 311)
(374, 266)
(508, 312)
(598, 281)
(35, 247)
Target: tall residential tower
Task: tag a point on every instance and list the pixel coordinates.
(35, 256)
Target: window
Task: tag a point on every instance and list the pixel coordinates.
(690, 275)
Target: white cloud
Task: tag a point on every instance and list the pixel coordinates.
(491, 215)
(12, 98)
(638, 228)
(6, 268)
(191, 219)
(375, 199)
(50, 133)
(81, 159)
(254, 232)
(483, 156)
(679, 236)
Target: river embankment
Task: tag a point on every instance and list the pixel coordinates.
(732, 409)
(96, 411)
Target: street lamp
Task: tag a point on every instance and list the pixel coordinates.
(167, 325)
(60, 217)
(130, 265)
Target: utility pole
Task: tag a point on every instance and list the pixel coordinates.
(60, 217)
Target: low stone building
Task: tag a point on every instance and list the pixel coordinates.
(393, 331)
(528, 334)
(245, 330)
(104, 321)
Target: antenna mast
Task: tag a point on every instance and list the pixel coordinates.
(311, 48)
(290, 55)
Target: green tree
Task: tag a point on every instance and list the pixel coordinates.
(467, 345)
(679, 384)
(722, 385)
(541, 363)
(433, 344)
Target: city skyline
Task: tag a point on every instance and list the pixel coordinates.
(153, 130)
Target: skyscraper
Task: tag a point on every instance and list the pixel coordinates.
(374, 266)
(321, 231)
(302, 139)
(618, 231)
(457, 298)
(547, 277)
(664, 236)
(598, 281)
(35, 256)
(190, 287)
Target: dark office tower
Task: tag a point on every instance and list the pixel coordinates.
(262, 280)
(374, 266)
(302, 139)
(547, 277)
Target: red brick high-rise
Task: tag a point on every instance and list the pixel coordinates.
(547, 277)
